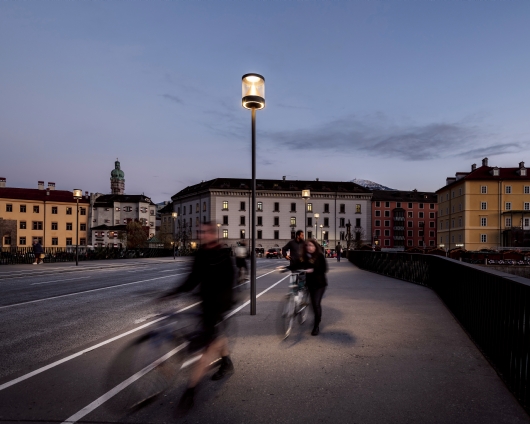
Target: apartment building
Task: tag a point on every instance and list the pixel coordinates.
(488, 207)
(47, 215)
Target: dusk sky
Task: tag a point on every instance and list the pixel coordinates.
(404, 93)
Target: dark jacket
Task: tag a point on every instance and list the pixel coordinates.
(317, 278)
(37, 249)
(296, 249)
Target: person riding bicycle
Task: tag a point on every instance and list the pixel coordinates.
(293, 251)
(213, 272)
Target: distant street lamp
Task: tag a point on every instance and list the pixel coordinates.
(321, 234)
(253, 98)
(306, 194)
(174, 215)
(316, 216)
(78, 194)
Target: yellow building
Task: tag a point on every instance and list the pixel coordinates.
(487, 208)
(48, 215)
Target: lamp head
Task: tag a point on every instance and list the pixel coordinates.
(253, 91)
(174, 214)
(78, 194)
(306, 194)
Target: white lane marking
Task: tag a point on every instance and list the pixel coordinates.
(113, 392)
(143, 319)
(166, 270)
(102, 399)
(88, 291)
(88, 349)
(57, 281)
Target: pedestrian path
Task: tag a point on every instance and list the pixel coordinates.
(388, 352)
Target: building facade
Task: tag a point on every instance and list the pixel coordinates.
(280, 210)
(404, 219)
(47, 215)
(487, 208)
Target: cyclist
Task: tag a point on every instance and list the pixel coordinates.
(295, 248)
(213, 272)
(316, 268)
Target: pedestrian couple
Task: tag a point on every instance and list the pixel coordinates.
(308, 256)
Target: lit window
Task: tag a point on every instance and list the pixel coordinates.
(225, 233)
(225, 206)
(357, 208)
(310, 207)
(260, 206)
(293, 221)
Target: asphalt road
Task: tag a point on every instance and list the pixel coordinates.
(389, 352)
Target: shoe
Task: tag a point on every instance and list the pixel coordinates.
(227, 367)
(315, 331)
(34, 263)
(187, 400)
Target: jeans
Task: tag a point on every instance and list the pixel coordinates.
(316, 299)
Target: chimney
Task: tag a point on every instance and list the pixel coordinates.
(86, 194)
(521, 165)
(522, 170)
(450, 180)
(41, 185)
(317, 179)
(485, 162)
(473, 167)
(283, 178)
(2, 182)
(51, 186)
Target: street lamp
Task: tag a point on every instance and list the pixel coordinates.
(316, 215)
(306, 194)
(321, 234)
(174, 215)
(78, 194)
(253, 98)
(218, 226)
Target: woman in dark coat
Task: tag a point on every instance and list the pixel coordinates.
(316, 268)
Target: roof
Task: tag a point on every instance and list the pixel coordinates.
(109, 199)
(280, 185)
(64, 196)
(166, 209)
(404, 196)
(486, 173)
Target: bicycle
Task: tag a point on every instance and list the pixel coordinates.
(295, 304)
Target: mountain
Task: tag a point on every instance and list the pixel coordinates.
(370, 184)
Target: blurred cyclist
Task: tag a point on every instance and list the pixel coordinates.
(295, 248)
(213, 272)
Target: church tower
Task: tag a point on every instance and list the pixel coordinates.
(117, 179)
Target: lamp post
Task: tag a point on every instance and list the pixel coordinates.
(78, 194)
(321, 234)
(253, 98)
(306, 194)
(174, 216)
(316, 215)
(218, 226)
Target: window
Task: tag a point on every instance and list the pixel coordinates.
(276, 234)
(409, 224)
(410, 205)
(310, 207)
(7, 240)
(483, 205)
(37, 225)
(129, 209)
(421, 205)
(242, 206)
(526, 189)
(144, 209)
(55, 241)
(225, 208)
(484, 222)
(387, 223)
(276, 221)
(242, 220)
(483, 189)
(326, 207)
(441, 225)
(483, 238)
(453, 209)
(431, 206)
(260, 206)
(508, 222)
(23, 208)
(342, 235)
(452, 223)
(276, 207)
(377, 232)
(377, 204)
(460, 192)
(527, 222)
(431, 215)
(410, 214)
(197, 208)
(341, 222)
(326, 222)
(69, 241)
(117, 221)
(69, 226)
(55, 226)
(293, 207)
(508, 206)
(377, 223)
(377, 213)
(409, 242)
(225, 219)
(309, 221)
(183, 209)
(420, 214)
(68, 211)
(82, 227)
(357, 222)
(241, 234)
(387, 213)
(526, 206)
(22, 225)
(259, 234)
(453, 194)
(22, 241)
(204, 219)
(293, 221)
(197, 221)
(387, 233)
(358, 209)
(431, 224)
(387, 242)
(204, 206)
(431, 233)
(9, 207)
(152, 211)
(460, 222)
(387, 204)
(342, 208)
(409, 233)
(117, 208)
(35, 209)
(508, 189)
(82, 211)
(225, 234)
(82, 241)
(398, 204)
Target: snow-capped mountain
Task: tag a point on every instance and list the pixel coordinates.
(370, 184)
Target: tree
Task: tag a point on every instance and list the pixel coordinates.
(358, 236)
(136, 235)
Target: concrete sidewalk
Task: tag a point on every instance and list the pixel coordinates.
(389, 352)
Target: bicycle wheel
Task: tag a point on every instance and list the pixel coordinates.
(304, 307)
(287, 316)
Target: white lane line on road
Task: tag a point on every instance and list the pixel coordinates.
(88, 349)
(113, 392)
(57, 281)
(88, 291)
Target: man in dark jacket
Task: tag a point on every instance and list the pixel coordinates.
(37, 251)
(338, 250)
(293, 251)
(213, 272)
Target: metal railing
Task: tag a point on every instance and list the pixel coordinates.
(493, 307)
(25, 255)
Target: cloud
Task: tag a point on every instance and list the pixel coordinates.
(376, 135)
(172, 98)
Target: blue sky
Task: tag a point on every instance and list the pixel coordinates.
(404, 93)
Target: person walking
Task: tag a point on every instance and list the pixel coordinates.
(293, 251)
(241, 261)
(316, 267)
(38, 252)
(338, 249)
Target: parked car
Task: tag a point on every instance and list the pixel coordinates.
(273, 254)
